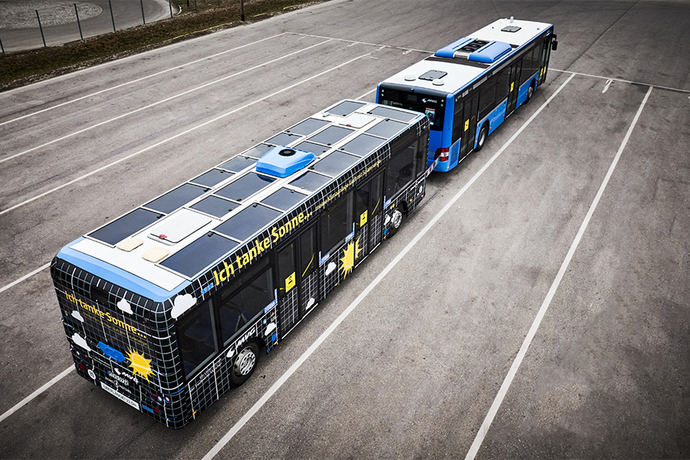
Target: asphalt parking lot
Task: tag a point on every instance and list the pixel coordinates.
(541, 306)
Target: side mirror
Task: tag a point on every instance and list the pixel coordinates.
(554, 43)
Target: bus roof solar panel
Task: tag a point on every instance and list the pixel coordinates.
(245, 186)
(257, 150)
(199, 254)
(284, 198)
(387, 128)
(239, 163)
(313, 148)
(125, 226)
(212, 177)
(307, 126)
(331, 135)
(335, 163)
(214, 206)
(363, 144)
(247, 222)
(283, 139)
(176, 198)
(394, 114)
(310, 181)
(345, 108)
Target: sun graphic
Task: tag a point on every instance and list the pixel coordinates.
(349, 254)
(139, 364)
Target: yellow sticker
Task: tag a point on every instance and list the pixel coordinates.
(290, 282)
(467, 124)
(541, 72)
(512, 84)
(363, 218)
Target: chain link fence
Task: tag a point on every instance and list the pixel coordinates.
(31, 24)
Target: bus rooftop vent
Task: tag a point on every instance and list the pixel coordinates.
(284, 161)
(449, 51)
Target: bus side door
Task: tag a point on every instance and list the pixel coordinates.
(470, 107)
(546, 54)
(297, 282)
(514, 83)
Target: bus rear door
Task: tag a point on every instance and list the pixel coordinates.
(514, 79)
(470, 102)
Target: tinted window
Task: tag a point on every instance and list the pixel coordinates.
(127, 225)
(458, 122)
(487, 97)
(286, 269)
(362, 197)
(400, 169)
(336, 223)
(195, 337)
(238, 306)
(307, 251)
(431, 105)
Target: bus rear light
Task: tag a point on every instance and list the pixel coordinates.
(442, 154)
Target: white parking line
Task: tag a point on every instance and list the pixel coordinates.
(40, 390)
(486, 424)
(162, 101)
(669, 88)
(180, 134)
(170, 69)
(25, 277)
(314, 346)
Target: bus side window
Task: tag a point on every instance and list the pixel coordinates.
(362, 195)
(336, 223)
(487, 97)
(244, 299)
(376, 195)
(458, 122)
(422, 147)
(307, 252)
(502, 84)
(400, 169)
(195, 337)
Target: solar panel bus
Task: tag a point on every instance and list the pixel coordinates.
(468, 88)
(170, 305)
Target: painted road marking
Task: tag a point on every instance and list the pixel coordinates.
(486, 424)
(314, 346)
(178, 135)
(606, 86)
(170, 69)
(162, 101)
(23, 278)
(40, 390)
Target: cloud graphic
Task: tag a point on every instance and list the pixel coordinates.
(81, 341)
(181, 304)
(125, 306)
(77, 315)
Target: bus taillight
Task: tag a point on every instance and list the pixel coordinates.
(442, 154)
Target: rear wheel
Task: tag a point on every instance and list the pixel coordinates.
(482, 138)
(530, 92)
(244, 364)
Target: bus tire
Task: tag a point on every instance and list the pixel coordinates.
(530, 92)
(244, 364)
(481, 140)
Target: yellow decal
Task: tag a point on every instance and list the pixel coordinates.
(363, 218)
(541, 72)
(139, 364)
(351, 252)
(512, 84)
(467, 124)
(290, 282)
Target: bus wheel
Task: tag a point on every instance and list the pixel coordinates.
(244, 364)
(482, 138)
(530, 92)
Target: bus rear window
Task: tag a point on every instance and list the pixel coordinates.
(432, 106)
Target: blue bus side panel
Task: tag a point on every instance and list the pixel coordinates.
(522, 91)
(116, 275)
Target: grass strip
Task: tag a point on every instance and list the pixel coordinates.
(24, 67)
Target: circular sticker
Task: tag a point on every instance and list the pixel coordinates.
(92, 374)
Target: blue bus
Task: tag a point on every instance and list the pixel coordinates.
(468, 88)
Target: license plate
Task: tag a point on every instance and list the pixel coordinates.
(120, 396)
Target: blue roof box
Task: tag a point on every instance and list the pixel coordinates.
(490, 52)
(448, 51)
(283, 161)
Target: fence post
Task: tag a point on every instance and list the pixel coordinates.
(170, 6)
(40, 27)
(112, 18)
(143, 18)
(76, 13)
(242, 10)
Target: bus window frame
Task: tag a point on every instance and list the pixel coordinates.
(214, 326)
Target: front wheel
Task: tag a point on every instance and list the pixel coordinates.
(530, 92)
(482, 138)
(244, 364)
